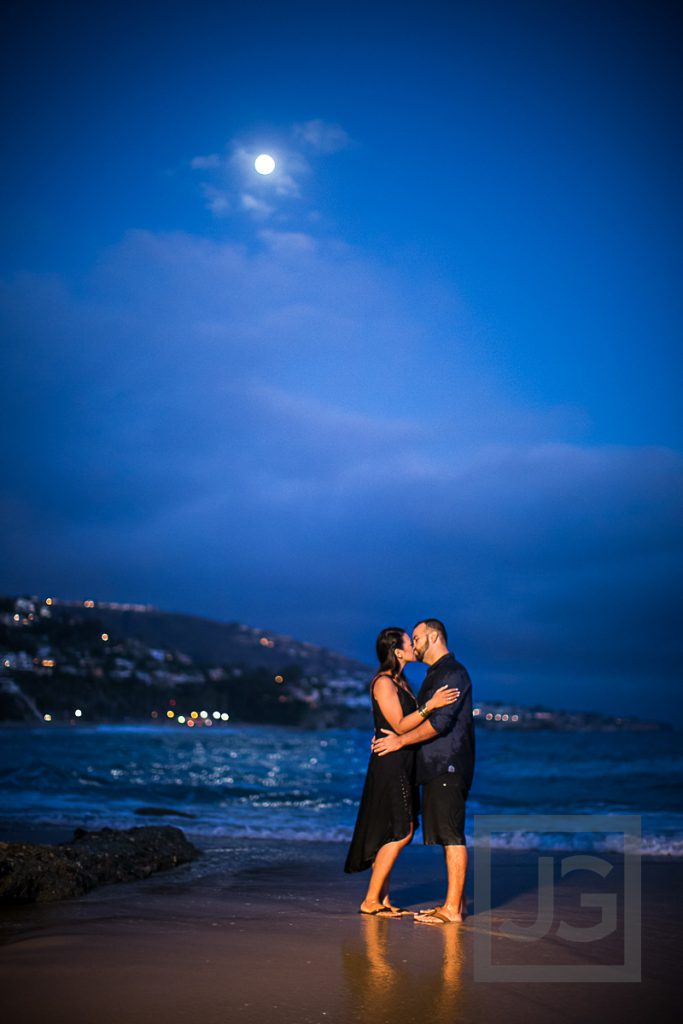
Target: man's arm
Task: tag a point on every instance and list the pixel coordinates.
(391, 742)
(443, 719)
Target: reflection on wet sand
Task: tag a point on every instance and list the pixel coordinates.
(390, 976)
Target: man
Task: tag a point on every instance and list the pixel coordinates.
(445, 762)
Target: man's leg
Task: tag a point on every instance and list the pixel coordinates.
(453, 907)
(456, 868)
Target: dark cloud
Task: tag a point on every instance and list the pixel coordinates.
(286, 434)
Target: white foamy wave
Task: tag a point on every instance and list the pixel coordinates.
(650, 845)
(339, 834)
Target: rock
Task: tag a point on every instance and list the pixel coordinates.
(162, 812)
(32, 873)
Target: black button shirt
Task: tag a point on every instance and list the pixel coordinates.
(453, 749)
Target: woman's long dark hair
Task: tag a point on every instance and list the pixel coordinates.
(385, 645)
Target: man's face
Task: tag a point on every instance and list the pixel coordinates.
(421, 641)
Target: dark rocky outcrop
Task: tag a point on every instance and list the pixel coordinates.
(162, 812)
(32, 873)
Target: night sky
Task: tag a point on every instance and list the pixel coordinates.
(429, 366)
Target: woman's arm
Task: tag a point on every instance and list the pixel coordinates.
(390, 705)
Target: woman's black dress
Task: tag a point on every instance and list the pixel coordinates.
(389, 804)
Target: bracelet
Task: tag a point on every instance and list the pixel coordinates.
(424, 711)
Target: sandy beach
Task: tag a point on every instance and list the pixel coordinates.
(262, 931)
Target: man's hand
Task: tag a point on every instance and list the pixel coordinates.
(387, 744)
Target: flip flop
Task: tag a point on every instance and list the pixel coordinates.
(436, 915)
(380, 912)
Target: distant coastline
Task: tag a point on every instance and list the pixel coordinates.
(106, 662)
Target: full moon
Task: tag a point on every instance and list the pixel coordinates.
(264, 164)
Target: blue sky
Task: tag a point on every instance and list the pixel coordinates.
(431, 365)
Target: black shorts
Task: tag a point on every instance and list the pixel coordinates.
(443, 810)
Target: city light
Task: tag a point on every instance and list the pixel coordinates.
(105, 637)
(170, 714)
(216, 714)
(88, 604)
(195, 714)
(155, 714)
(203, 714)
(225, 716)
(181, 719)
(47, 718)
(48, 600)
(78, 713)
(279, 679)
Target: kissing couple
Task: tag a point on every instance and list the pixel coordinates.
(425, 741)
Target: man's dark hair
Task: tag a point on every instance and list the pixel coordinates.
(434, 624)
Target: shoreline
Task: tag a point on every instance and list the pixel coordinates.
(257, 929)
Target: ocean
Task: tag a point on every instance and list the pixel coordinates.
(247, 781)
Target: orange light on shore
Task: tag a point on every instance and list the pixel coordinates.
(88, 604)
(170, 714)
(195, 714)
(48, 600)
(279, 679)
(105, 637)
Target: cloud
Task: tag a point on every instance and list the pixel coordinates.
(322, 136)
(206, 163)
(258, 207)
(259, 430)
(288, 242)
(217, 201)
(231, 184)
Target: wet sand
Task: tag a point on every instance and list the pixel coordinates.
(257, 931)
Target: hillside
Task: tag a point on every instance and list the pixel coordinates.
(125, 662)
(102, 662)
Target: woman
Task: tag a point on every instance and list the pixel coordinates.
(389, 805)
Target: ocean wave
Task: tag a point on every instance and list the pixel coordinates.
(651, 844)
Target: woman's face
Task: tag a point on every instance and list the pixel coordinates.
(407, 649)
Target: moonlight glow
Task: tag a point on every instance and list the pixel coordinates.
(264, 164)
